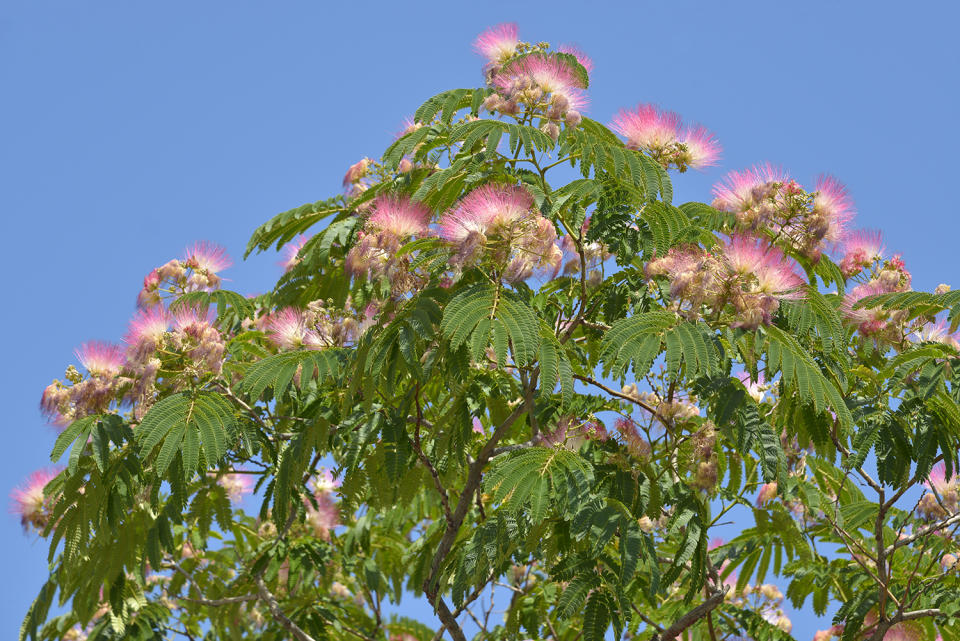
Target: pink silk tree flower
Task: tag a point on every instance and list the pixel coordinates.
(703, 150)
(487, 209)
(497, 43)
(290, 252)
(288, 330)
(101, 358)
(861, 248)
(400, 216)
(207, 257)
(236, 485)
(29, 501)
(742, 190)
(833, 202)
(577, 53)
(647, 126)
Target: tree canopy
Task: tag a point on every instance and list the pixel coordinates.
(505, 362)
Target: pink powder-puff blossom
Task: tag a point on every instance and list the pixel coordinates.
(290, 253)
(400, 216)
(236, 485)
(288, 329)
(100, 358)
(768, 492)
(325, 482)
(145, 333)
(530, 77)
(477, 426)
(30, 503)
(756, 389)
(774, 273)
(833, 202)
(860, 249)
(323, 518)
(938, 332)
(937, 480)
(702, 148)
(207, 257)
(497, 43)
(577, 53)
(647, 126)
(487, 209)
(357, 171)
(740, 191)
(903, 631)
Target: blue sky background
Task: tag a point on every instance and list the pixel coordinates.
(132, 129)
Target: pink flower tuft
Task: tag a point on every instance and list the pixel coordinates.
(703, 150)
(774, 273)
(326, 482)
(29, 502)
(288, 330)
(100, 358)
(485, 209)
(290, 252)
(477, 426)
(647, 126)
(207, 257)
(497, 43)
(577, 53)
(738, 190)
(833, 202)
(549, 73)
(236, 485)
(768, 492)
(399, 216)
(147, 325)
(324, 517)
(860, 249)
(937, 479)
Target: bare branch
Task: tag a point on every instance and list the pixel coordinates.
(278, 614)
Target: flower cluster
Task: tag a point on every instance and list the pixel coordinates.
(703, 458)
(197, 271)
(663, 135)
(765, 199)
(886, 277)
(94, 393)
(31, 504)
(531, 79)
(394, 221)
(498, 223)
(943, 497)
(236, 485)
(747, 273)
(322, 512)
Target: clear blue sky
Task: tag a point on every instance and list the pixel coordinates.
(131, 129)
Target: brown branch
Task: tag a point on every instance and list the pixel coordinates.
(923, 532)
(612, 392)
(690, 617)
(418, 448)
(278, 614)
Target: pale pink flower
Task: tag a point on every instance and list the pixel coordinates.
(741, 190)
(29, 502)
(324, 517)
(869, 319)
(497, 43)
(356, 171)
(236, 485)
(148, 325)
(577, 53)
(634, 442)
(325, 482)
(768, 492)
(290, 252)
(938, 332)
(754, 388)
(647, 126)
(775, 274)
(937, 479)
(549, 73)
(207, 257)
(834, 203)
(860, 249)
(288, 330)
(477, 426)
(703, 150)
(100, 358)
(904, 631)
(485, 209)
(399, 216)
